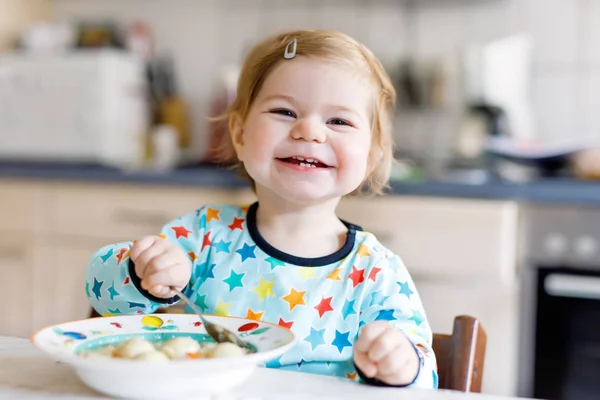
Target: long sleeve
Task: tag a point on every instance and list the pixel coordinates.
(394, 298)
(111, 283)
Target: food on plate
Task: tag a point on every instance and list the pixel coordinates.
(178, 348)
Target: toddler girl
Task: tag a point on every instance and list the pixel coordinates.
(311, 124)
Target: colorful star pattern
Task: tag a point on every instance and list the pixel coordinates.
(357, 276)
(273, 262)
(348, 308)
(324, 305)
(222, 246)
(211, 214)
(236, 224)
(222, 308)
(181, 231)
(201, 302)
(404, 289)
(341, 340)
(377, 299)
(107, 256)
(122, 253)
(112, 292)
(335, 275)
(295, 298)
(234, 280)
(373, 274)
(285, 324)
(315, 338)
(206, 241)
(363, 251)
(96, 289)
(264, 289)
(246, 252)
(254, 316)
(307, 273)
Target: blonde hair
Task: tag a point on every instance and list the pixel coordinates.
(332, 46)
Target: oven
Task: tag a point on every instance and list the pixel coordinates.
(560, 319)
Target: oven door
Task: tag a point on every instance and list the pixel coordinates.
(567, 334)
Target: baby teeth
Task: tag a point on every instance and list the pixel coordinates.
(305, 165)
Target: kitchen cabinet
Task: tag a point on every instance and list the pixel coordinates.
(443, 238)
(18, 258)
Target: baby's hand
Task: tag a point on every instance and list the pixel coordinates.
(382, 351)
(160, 264)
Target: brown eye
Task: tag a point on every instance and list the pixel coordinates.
(338, 121)
(283, 111)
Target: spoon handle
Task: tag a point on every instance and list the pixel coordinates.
(188, 302)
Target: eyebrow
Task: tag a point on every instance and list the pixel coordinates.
(289, 99)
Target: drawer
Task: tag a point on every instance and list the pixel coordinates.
(440, 238)
(119, 212)
(23, 206)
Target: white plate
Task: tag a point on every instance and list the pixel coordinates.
(176, 379)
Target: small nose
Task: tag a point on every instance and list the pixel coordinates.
(308, 129)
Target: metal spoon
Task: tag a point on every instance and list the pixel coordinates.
(217, 332)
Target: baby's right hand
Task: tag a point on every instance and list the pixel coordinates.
(160, 264)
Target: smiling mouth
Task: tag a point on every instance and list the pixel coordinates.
(304, 162)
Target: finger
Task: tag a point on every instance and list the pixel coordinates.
(164, 292)
(369, 333)
(139, 246)
(167, 277)
(384, 344)
(146, 257)
(160, 262)
(393, 362)
(364, 364)
(401, 368)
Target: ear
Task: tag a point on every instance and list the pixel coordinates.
(236, 130)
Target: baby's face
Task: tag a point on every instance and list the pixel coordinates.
(307, 136)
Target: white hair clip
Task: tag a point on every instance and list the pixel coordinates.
(290, 54)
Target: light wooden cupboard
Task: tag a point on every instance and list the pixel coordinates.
(443, 238)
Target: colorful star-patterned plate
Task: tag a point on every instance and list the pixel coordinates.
(176, 379)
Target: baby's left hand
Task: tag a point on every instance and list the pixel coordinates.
(382, 351)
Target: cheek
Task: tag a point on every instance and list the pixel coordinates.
(356, 153)
(257, 143)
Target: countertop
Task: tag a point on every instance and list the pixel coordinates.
(27, 373)
(553, 191)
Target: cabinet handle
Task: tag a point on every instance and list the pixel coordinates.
(10, 253)
(156, 219)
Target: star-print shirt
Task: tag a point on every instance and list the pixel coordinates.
(325, 301)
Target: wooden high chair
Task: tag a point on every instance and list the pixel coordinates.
(461, 355)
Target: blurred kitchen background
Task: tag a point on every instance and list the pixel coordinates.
(104, 137)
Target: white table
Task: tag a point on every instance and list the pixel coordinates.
(26, 373)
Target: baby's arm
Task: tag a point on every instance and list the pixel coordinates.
(111, 282)
(393, 298)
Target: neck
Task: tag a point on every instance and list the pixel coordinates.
(303, 230)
